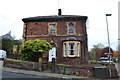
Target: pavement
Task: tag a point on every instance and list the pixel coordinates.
(48, 74)
(1, 64)
(44, 74)
(118, 68)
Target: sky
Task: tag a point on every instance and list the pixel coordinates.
(13, 11)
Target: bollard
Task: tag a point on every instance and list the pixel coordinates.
(64, 69)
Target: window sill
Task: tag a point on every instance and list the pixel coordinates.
(52, 34)
(70, 34)
(71, 56)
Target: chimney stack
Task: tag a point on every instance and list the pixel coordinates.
(59, 12)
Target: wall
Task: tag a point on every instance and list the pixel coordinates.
(14, 56)
(86, 70)
(26, 65)
(74, 70)
(39, 30)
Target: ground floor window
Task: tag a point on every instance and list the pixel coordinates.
(71, 49)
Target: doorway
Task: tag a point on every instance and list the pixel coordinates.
(52, 54)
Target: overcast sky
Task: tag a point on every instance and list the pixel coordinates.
(12, 11)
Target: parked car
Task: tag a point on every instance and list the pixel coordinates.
(115, 60)
(105, 60)
(3, 54)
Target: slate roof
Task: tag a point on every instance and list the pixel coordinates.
(54, 18)
(7, 36)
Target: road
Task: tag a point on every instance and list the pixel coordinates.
(4, 75)
(15, 76)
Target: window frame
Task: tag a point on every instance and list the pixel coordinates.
(77, 49)
(55, 29)
(68, 28)
(64, 49)
(70, 50)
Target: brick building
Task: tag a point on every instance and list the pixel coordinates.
(66, 33)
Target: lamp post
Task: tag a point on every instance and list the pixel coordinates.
(109, 52)
(118, 48)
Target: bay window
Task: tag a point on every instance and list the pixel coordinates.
(64, 47)
(71, 49)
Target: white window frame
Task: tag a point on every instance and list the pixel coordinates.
(65, 49)
(76, 48)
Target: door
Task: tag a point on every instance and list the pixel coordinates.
(52, 54)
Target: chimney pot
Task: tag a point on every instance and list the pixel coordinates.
(59, 12)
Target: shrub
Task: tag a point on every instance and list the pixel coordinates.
(93, 61)
(32, 50)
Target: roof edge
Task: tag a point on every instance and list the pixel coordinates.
(54, 18)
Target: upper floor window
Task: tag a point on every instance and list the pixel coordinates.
(52, 29)
(70, 28)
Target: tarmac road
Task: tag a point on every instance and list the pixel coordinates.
(15, 76)
(6, 74)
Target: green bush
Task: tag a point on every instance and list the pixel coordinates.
(7, 44)
(32, 50)
(93, 61)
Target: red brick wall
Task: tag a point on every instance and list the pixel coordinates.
(37, 28)
(41, 28)
(61, 28)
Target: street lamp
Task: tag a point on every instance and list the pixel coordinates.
(108, 36)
